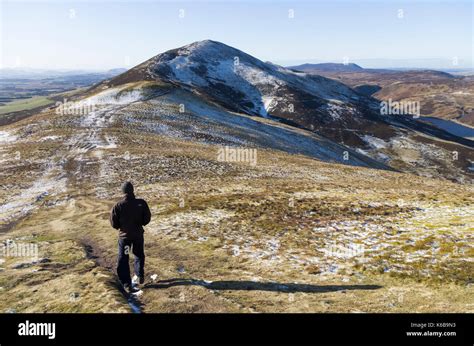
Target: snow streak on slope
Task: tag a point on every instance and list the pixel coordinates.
(6, 137)
(230, 75)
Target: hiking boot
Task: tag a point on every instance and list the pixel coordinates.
(129, 288)
(141, 280)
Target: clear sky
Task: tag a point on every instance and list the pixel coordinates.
(108, 34)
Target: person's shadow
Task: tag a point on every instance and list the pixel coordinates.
(258, 286)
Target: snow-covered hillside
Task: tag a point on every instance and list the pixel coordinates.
(241, 83)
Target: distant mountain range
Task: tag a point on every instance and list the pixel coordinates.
(329, 67)
(351, 67)
(31, 73)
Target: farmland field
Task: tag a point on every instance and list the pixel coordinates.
(24, 104)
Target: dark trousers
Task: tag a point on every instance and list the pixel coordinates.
(125, 246)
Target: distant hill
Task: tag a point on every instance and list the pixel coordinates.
(441, 94)
(329, 67)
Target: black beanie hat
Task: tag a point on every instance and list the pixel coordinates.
(127, 188)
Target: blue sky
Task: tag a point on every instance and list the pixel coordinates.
(108, 34)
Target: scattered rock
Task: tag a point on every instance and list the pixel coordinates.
(74, 296)
(22, 265)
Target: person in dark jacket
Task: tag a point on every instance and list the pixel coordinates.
(129, 216)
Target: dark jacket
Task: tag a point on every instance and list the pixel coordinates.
(129, 215)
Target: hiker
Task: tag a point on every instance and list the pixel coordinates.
(129, 216)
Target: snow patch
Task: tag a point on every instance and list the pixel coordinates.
(114, 96)
(27, 199)
(7, 137)
(49, 138)
(374, 142)
(269, 102)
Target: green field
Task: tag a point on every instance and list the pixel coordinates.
(25, 104)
